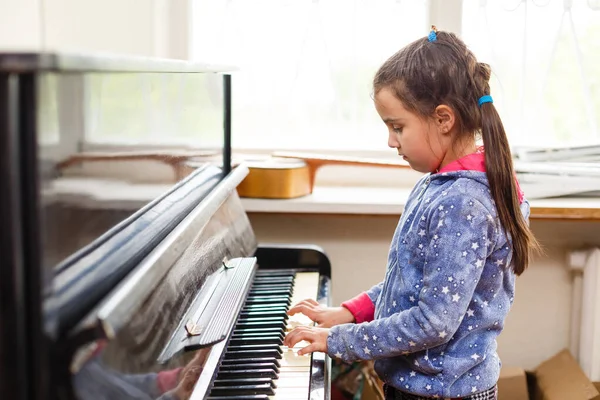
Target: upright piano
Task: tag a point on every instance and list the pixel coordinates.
(171, 299)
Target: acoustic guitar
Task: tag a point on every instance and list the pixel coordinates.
(287, 175)
(283, 175)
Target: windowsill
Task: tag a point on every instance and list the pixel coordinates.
(97, 193)
(335, 200)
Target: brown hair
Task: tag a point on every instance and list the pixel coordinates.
(424, 75)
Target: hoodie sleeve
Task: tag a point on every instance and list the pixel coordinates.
(460, 236)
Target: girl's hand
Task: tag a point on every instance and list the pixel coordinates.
(326, 317)
(317, 337)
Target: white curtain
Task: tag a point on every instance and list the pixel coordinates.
(306, 66)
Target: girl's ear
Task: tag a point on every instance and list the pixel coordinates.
(444, 118)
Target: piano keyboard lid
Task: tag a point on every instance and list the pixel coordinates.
(83, 279)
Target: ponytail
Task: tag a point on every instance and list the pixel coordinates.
(503, 186)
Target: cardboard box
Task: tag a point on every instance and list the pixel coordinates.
(558, 378)
(512, 384)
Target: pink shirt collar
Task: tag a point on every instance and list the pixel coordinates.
(470, 162)
(474, 162)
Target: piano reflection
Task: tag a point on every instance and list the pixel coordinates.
(175, 300)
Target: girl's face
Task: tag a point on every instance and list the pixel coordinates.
(422, 143)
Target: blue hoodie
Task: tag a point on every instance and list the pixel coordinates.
(447, 290)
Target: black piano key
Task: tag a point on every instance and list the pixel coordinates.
(242, 397)
(265, 307)
(258, 331)
(278, 280)
(256, 340)
(282, 282)
(248, 373)
(250, 347)
(270, 313)
(259, 290)
(241, 334)
(269, 360)
(253, 353)
(277, 292)
(243, 381)
(257, 315)
(275, 280)
(253, 366)
(272, 284)
(261, 388)
(266, 324)
(263, 304)
(275, 272)
(269, 300)
(265, 320)
(252, 313)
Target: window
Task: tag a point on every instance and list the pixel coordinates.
(544, 56)
(152, 108)
(305, 66)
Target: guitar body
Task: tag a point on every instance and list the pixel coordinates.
(276, 179)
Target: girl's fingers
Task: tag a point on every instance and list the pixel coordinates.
(309, 349)
(298, 308)
(313, 302)
(309, 303)
(297, 335)
(315, 336)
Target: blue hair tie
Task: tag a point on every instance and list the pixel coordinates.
(485, 99)
(432, 37)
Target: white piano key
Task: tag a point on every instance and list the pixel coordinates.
(294, 372)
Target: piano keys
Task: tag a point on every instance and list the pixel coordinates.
(177, 300)
(256, 363)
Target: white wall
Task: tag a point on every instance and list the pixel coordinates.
(20, 25)
(537, 326)
(153, 28)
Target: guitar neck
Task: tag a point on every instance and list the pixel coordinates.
(318, 160)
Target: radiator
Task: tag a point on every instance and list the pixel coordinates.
(585, 323)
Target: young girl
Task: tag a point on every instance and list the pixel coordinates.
(431, 325)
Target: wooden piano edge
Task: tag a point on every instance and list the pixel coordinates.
(538, 213)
